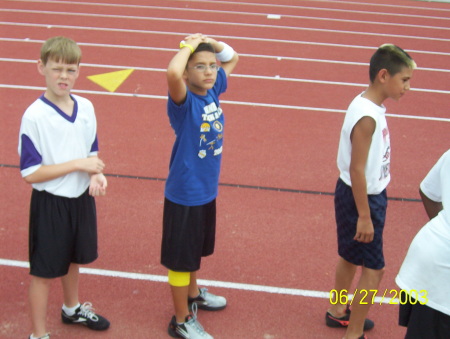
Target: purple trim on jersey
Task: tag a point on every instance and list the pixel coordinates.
(29, 155)
(61, 113)
(94, 147)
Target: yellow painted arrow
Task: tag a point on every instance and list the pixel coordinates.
(111, 81)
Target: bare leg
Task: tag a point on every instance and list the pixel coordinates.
(70, 286)
(370, 280)
(38, 298)
(345, 272)
(193, 287)
(180, 302)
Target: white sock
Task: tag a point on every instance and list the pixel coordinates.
(70, 310)
(33, 337)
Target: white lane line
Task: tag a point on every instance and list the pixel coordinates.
(240, 103)
(266, 40)
(237, 75)
(210, 283)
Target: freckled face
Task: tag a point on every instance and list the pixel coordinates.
(60, 77)
(199, 81)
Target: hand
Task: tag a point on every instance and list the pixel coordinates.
(195, 39)
(364, 230)
(98, 185)
(92, 165)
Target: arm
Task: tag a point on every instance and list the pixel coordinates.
(431, 207)
(177, 67)
(361, 138)
(92, 165)
(228, 65)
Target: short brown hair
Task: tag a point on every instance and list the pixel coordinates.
(389, 57)
(61, 49)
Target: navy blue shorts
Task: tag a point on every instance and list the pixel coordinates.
(369, 255)
(62, 231)
(189, 234)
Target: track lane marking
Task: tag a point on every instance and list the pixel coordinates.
(209, 283)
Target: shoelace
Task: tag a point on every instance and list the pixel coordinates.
(204, 293)
(87, 311)
(193, 322)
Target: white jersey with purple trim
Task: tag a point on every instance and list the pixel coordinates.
(48, 136)
(377, 169)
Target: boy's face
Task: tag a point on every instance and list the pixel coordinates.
(398, 84)
(201, 72)
(59, 77)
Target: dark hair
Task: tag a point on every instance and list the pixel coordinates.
(389, 57)
(203, 47)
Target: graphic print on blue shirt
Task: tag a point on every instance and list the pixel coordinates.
(211, 131)
(194, 166)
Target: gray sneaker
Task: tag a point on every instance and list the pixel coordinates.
(47, 336)
(208, 301)
(191, 329)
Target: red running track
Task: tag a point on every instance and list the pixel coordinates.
(276, 222)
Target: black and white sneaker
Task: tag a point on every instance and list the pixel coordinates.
(46, 336)
(208, 301)
(191, 329)
(84, 315)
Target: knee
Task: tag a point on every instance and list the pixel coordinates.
(373, 276)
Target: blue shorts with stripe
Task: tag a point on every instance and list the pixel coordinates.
(369, 255)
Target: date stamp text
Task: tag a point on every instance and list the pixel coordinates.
(388, 296)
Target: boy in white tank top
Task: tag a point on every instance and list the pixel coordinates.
(360, 198)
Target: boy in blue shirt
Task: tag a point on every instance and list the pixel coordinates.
(195, 82)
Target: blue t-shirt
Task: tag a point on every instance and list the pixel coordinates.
(197, 152)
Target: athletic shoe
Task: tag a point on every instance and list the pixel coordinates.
(332, 321)
(191, 329)
(208, 301)
(85, 315)
(47, 336)
(363, 337)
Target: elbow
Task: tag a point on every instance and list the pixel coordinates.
(31, 179)
(28, 180)
(356, 171)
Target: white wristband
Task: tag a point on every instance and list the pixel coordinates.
(226, 54)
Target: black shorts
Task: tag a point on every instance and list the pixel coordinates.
(369, 255)
(62, 231)
(189, 234)
(423, 322)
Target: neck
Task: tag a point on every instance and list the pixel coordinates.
(63, 100)
(373, 95)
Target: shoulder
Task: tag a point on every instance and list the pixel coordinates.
(35, 110)
(82, 101)
(444, 162)
(361, 107)
(172, 105)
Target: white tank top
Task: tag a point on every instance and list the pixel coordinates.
(378, 161)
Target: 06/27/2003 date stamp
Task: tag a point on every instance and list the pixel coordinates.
(392, 296)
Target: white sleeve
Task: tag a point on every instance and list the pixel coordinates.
(432, 185)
